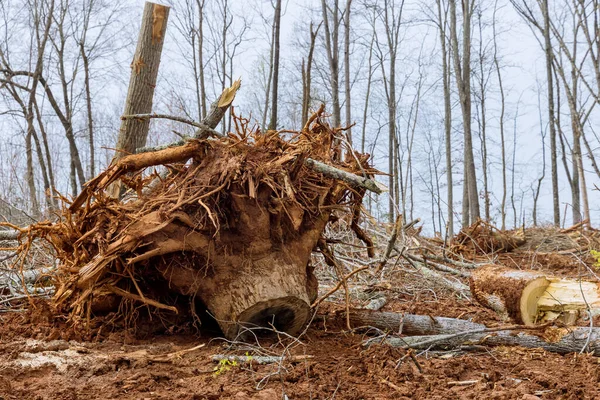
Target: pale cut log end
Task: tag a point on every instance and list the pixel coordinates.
(286, 314)
(529, 300)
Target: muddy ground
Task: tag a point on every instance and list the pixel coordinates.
(41, 358)
(36, 364)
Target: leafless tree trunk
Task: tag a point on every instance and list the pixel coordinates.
(307, 73)
(442, 22)
(392, 19)
(144, 72)
(363, 136)
(348, 98)
(462, 67)
(482, 120)
(275, 63)
(536, 191)
(332, 28)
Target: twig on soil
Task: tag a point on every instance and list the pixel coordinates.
(262, 360)
(463, 383)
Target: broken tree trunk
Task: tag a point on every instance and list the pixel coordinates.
(531, 297)
(450, 333)
(144, 73)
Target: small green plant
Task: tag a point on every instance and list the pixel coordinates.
(224, 366)
(596, 255)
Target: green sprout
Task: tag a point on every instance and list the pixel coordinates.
(224, 366)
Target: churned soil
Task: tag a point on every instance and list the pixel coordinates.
(42, 360)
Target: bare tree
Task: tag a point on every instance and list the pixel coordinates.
(462, 69)
(348, 98)
(275, 63)
(307, 73)
(527, 12)
(331, 27)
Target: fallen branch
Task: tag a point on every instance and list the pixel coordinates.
(9, 235)
(451, 333)
(162, 116)
(348, 177)
(409, 324)
(576, 340)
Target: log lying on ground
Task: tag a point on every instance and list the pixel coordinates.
(409, 324)
(531, 297)
(450, 333)
(569, 341)
(9, 235)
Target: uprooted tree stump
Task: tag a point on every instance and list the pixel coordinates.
(233, 225)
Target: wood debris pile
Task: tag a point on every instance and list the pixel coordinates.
(230, 229)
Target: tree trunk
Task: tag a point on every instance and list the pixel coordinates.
(331, 45)
(431, 332)
(462, 68)
(144, 72)
(275, 63)
(446, 73)
(347, 70)
(551, 115)
(88, 103)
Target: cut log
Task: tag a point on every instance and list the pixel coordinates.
(531, 297)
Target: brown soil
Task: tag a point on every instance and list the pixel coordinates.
(42, 357)
(34, 364)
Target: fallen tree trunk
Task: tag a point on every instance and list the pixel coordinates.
(9, 235)
(409, 324)
(450, 333)
(531, 297)
(577, 340)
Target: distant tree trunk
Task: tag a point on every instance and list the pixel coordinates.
(347, 69)
(332, 48)
(502, 112)
(29, 177)
(483, 122)
(263, 126)
(446, 74)
(144, 72)
(275, 61)
(462, 68)
(88, 103)
(363, 136)
(202, 93)
(306, 75)
(551, 119)
(536, 192)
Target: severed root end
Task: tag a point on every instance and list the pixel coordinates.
(285, 314)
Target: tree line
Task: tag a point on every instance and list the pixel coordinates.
(473, 108)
